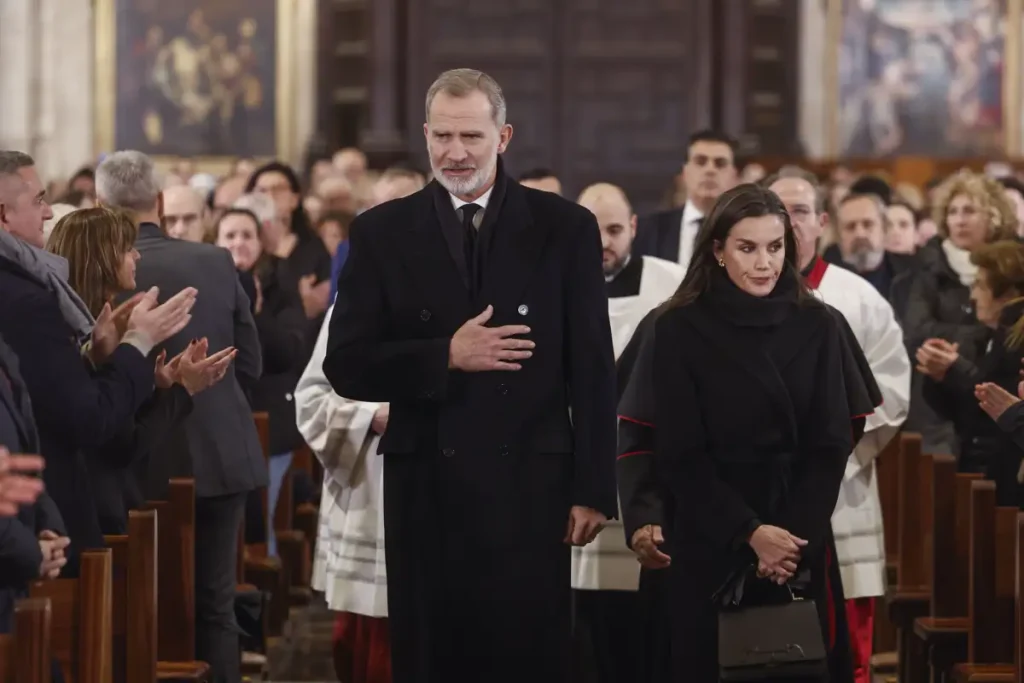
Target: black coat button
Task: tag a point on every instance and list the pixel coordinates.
(424, 315)
(503, 389)
(448, 452)
(503, 449)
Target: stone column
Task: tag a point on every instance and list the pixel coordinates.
(18, 68)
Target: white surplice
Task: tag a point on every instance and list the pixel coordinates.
(857, 519)
(607, 563)
(348, 565)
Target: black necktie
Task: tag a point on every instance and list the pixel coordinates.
(469, 240)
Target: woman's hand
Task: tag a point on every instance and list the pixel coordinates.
(994, 400)
(198, 373)
(935, 357)
(778, 552)
(646, 541)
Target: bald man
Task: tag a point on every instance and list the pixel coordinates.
(184, 213)
(605, 574)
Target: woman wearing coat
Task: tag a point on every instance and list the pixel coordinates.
(952, 378)
(282, 326)
(349, 564)
(752, 433)
(971, 210)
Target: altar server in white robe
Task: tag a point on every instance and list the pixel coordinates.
(605, 574)
(348, 566)
(857, 520)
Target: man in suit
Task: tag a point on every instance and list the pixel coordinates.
(710, 170)
(477, 308)
(223, 453)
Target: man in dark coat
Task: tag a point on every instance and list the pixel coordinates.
(223, 451)
(477, 308)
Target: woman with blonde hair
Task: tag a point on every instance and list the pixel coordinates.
(99, 245)
(971, 210)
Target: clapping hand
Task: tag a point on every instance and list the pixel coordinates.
(161, 322)
(109, 328)
(476, 348)
(192, 368)
(994, 400)
(935, 357)
(778, 552)
(16, 488)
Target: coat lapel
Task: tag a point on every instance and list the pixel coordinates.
(517, 244)
(433, 251)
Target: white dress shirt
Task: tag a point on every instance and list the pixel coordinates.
(688, 232)
(480, 201)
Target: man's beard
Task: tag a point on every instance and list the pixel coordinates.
(864, 259)
(615, 267)
(465, 186)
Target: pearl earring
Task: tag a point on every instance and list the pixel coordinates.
(721, 262)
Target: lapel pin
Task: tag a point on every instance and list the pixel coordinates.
(524, 309)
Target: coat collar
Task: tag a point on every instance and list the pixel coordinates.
(151, 231)
(516, 243)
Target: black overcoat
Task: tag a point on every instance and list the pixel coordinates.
(480, 469)
(751, 427)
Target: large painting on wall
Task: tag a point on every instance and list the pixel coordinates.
(191, 77)
(924, 77)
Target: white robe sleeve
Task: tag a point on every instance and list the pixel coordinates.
(887, 356)
(337, 429)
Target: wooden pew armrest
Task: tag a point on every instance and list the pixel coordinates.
(934, 629)
(984, 673)
(907, 604)
(183, 671)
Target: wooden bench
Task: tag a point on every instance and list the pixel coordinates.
(81, 618)
(25, 653)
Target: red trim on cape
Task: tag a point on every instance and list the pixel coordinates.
(636, 421)
(626, 455)
(813, 278)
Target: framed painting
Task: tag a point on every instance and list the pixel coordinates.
(205, 79)
(923, 77)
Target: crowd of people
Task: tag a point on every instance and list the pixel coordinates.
(761, 339)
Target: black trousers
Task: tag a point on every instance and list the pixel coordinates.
(607, 636)
(217, 526)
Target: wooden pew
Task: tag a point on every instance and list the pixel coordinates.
(135, 630)
(25, 653)
(81, 618)
(887, 471)
(909, 600)
(958, 507)
(176, 533)
(1004, 672)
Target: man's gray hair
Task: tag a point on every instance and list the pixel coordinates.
(463, 82)
(12, 161)
(261, 205)
(127, 180)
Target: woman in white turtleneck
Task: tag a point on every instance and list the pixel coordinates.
(972, 210)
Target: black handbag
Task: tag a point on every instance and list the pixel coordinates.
(770, 642)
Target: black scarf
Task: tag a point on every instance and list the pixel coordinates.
(732, 304)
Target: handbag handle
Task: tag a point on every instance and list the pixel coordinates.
(730, 593)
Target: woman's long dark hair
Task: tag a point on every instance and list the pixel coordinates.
(743, 201)
(300, 224)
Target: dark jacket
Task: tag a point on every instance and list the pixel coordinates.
(20, 555)
(76, 409)
(938, 306)
(984, 447)
(282, 326)
(224, 453)
(658, 235)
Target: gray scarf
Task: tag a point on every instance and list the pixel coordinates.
(51, 271)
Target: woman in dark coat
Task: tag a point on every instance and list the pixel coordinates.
(282, 326)
(753, 430)
(950, 378)
(972, 210)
